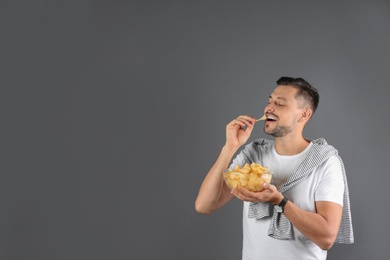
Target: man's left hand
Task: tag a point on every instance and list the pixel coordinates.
(269, 194)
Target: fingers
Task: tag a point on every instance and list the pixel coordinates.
(239, 192)
(266, 195)
(245, 123)
(245, 195)
(270, 187)
(245, 120)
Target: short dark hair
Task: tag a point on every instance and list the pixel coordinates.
(305, 91)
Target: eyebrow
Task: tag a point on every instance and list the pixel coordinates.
(280, 98)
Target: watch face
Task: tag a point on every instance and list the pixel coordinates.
(278, 209)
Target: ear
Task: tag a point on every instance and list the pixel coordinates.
(305, 114)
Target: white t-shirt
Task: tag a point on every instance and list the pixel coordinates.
(325, 183)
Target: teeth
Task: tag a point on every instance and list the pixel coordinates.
(271, 117)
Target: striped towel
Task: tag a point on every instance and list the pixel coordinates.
(280, 226)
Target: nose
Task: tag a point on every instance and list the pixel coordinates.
(269, 108)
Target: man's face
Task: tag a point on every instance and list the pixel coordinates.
(282, 111)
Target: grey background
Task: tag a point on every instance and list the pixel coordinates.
(112, 112)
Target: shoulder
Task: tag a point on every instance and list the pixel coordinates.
(259, 145)
(254, 150)
(333, 162)
(331, 171)
(321, 147)
(331, 184)
(261, 142)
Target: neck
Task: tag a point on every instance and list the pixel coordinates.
(290, 145)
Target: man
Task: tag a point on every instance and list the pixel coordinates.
(305, 209)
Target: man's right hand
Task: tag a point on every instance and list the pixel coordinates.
(239, 130)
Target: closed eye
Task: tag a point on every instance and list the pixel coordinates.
(279, 101)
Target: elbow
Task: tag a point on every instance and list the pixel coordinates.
(202, 209)
(327, 243)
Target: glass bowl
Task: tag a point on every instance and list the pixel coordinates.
(252, 181)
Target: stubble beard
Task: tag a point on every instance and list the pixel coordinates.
(279, 131)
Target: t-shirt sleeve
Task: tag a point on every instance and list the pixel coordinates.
(244, 156)
(331, 186)
(240, 160)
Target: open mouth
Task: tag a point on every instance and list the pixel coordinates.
(271, 118)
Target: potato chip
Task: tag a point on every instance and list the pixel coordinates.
(250, 177)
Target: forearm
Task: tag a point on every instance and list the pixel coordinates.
(320, 228)
(213, 193)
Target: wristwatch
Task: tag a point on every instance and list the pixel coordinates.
(280, 207)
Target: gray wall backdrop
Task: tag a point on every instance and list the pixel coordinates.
(112, 112)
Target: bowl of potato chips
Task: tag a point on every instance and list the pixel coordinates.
(250, 176)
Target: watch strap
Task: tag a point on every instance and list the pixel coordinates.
(283, 203)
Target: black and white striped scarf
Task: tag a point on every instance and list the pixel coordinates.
(280, 226)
